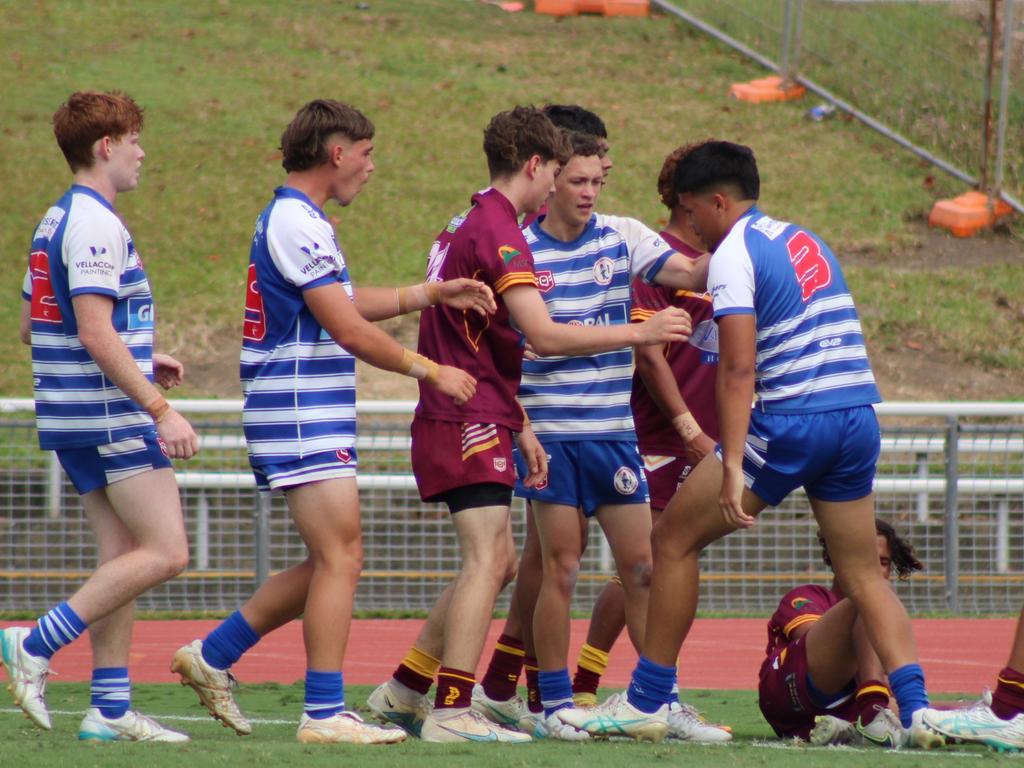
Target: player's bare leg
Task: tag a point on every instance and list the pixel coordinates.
(628, 530)
(558, 534)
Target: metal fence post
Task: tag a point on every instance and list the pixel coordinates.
(951, 537)
(787, 23)
(54, 485)
(1004, 94)
(262, 534)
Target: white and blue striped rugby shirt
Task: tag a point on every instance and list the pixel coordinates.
(299, 385)
(810, 347)
(81, 247)
(587, 282)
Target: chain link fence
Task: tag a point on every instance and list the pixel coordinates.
(941, 77)
(951, 479)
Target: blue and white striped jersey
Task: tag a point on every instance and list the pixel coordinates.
(810, 347)
(81, 247)
(299, 385)
(587, 282)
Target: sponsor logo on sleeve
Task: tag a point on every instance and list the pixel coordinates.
(48, 226)
(506, 253)
(318, 263)
(96, 263)
(799, 603)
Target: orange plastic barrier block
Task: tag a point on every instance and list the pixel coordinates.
(604, 7)
(965, 215)
(767, 89)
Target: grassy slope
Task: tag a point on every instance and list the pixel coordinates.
(274, 743)
(220, 80)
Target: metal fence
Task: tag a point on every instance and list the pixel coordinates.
(951, 479)
(940, 77)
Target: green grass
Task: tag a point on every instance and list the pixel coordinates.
(278, 707)
(220, 81)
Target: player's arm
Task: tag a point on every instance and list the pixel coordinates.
(734, 392)
(681, 271)
(663, 388)
(532, 451)
(25, 322)
(381, 303)
(97, 334)
(338, 315)
(547, 337)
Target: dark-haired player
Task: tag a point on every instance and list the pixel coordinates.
(821, 680)
(789, 332)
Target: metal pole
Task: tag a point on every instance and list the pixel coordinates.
(203, 533)
(787, 19)
(922, 497)
(1003, 536)
(54, 485)
(1004, 93)
(262, 533)
(798, 37)
(951, 538)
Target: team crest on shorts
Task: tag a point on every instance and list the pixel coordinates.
(500, 465)
(626, 481)
(344, 455)
(604, 269)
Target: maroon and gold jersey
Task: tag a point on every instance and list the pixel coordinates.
(484, 243)
(693, 363)
(801, 605)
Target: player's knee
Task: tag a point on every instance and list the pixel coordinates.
(175, 561)
(562, 571)
(639, 575)
(511, 570)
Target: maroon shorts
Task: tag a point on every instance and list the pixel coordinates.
(448, 455)
(785, 698)
(664, 476)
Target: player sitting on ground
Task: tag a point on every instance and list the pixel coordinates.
(304, 326)
(822, 681)
(788, 330)
(463, 455)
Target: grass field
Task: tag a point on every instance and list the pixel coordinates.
(275, 710)
(220, 80)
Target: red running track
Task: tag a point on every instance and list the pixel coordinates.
(958, 655)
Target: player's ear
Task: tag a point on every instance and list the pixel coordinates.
(335, 152)
(532, 165)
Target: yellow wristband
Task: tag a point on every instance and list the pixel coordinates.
(419, 367)
(158, 409)
(687, 426)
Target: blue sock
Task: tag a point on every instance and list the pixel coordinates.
(555, 690)
(226, 644)
(60, 627)
(111, 691)
(325, 694)
(907, 685)
(651, 686)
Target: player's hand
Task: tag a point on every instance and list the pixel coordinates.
(534, 455)
(730, 499)
(167, 372)
(178, 436)
(463, 293)
(669, 325)
(698, 448)
(455, 383)
(529, 353)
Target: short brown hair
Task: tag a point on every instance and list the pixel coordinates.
(667, 177)
(584, 144)
(513, 137)
(88, 116)
(304, 141)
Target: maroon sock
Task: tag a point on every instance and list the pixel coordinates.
(585, 681)
(871, 696)
(454, 689)
(532, 685)
(410, 678)
(1008, 699)
(502, 674)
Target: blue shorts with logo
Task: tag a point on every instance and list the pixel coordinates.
(831, 454)
(308, 469)
(97, 466)
(588, 474)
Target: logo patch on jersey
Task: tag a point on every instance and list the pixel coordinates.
(506, 253)
(545, 280)
(254, 327)
(625, 481)
(140, 314)
(768, 227)
(457, 221)
(813, 271)
(705, 336)
(344, 455)
(799, 603)
(604, 270)
(500, 465)
(436, 260)
(48, 226)
(44, 304)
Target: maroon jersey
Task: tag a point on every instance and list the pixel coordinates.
(484, 243)
(801, 605)
(694, 363)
